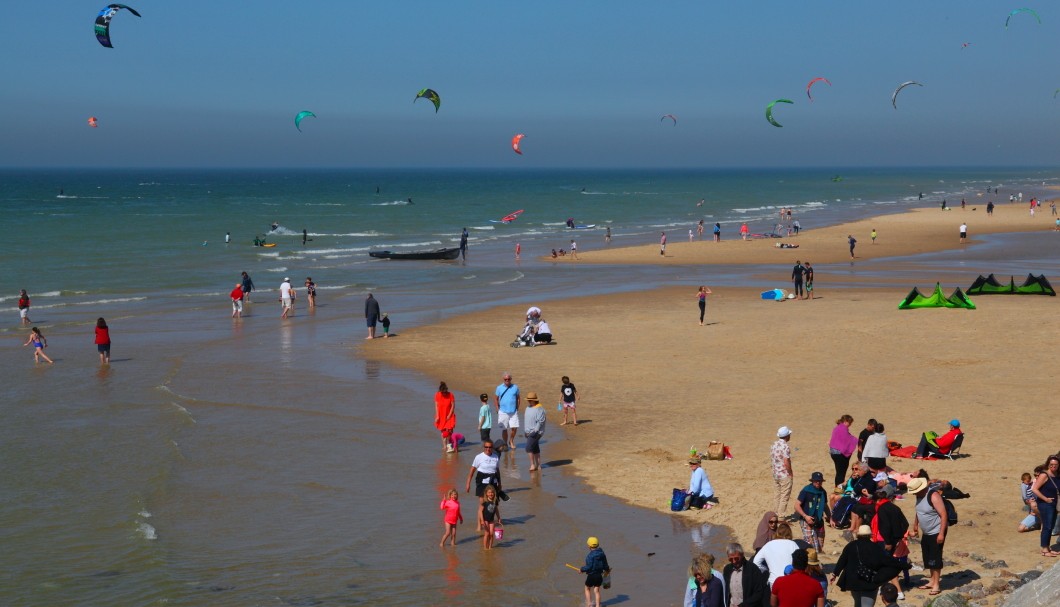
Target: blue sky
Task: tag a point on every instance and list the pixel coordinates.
(197, 83)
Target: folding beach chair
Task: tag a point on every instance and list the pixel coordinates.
(957, 442)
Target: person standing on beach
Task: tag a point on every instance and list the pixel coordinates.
(247, 285)
(745, 586)
(485, 418)
(237, 300)
(507, 401)
(445, 417)
(964, 232)
(699, 228)
(717, 232)
(39, 343)
(371, 314)
(533, 429)
(780, 459)
(872, 235)
(569, 401)
(103, 341)
(701, 296)
(607, 234)
(809, 279)
(744, 231)
(931, 517)
(662, 244)
(797, 274)
(1052, 206)
(595, 568)
(518, 250)
(573, 249)
(990, 208)
(23, 306)
(691, 238)
(463, 244)
(286, 297)
(812, 508)
(796, 226)
(484, 471)
(852, 242)
(798, 589)
(311, 291)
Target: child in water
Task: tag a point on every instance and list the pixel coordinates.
(451, 505)
(489, 516)
(386, 325)
(39, 343)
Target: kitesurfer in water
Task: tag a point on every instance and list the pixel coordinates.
(305, 234)
(275, 225)
(410, 200)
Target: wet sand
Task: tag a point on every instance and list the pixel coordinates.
(652, 383)
(924, 230)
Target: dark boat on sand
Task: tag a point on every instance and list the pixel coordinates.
(435, 254)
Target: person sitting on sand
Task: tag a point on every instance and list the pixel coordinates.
(938, 445)
(699, 486)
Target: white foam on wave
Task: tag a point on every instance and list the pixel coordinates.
(556, 223)
(391, 203)
(280, 269)
(469, 277)
(269, 254)
(328, 251)
(146, 531)
(91, 303)
(518, 276)
(323, 204)
(483, 228)
(184, 412)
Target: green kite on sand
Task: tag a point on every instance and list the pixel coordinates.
(1034, 285)
(936, 300)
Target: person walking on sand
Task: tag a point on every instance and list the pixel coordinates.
(573, 249)
(23, 306)
(798, 273)
(873, 235)
(809, 279)
(701, 297)
(247, 285)
(717, 232)
(852, 242)
(507, 400)
(237, 300)
(103, 341)
(311, 291)
(964, 232)
(594, 569)
(484, 470)
(286, 297)
(533, 429)
(780, 460)
(485, 418)
(39, 343)
(744, 230)
(371, 314)
(569, 395)
(662, 244)
(691, 238)
(445, 417)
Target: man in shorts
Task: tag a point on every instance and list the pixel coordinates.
(484, 471)
(286, 295)
(507, 401)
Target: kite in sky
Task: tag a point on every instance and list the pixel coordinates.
(92, 122)
(815, 80)
(515, 143)
(769, 111)
(1022, 10)
(965, 45)
(300, 116)
(103, 22)
(431, 96)
(670, 116)
(894, 95)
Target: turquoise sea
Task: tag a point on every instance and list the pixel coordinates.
(262, 462)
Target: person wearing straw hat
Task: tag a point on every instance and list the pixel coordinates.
(931, 518)
(699, 486)
(862, 566)
(533, 429)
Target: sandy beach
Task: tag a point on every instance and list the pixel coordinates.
(652, 382)
(924, 230)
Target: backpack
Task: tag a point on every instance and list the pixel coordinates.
(680, 500)
(951, 512)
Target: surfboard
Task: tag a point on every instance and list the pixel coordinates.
(510, 217)
(585, 227)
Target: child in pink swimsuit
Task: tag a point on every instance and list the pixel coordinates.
(451, 505)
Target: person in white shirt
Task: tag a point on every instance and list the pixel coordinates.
(776, 554)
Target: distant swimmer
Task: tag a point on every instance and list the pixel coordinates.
(228, 237)
(376, 189)
(701, 201)
(304, 235)
(410, 200)
(275, 225)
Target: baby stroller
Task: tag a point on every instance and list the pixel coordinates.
(526, 337)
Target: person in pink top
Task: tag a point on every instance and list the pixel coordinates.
(744, 231)
(451, 505)
(662, 244)
(842, 445)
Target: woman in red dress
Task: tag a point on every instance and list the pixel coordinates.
(445, 416)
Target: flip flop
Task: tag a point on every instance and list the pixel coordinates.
(924, 587)
(934, 592)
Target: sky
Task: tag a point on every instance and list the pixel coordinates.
(218, 83)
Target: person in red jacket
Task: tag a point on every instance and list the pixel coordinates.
(103, 341)
(942, 444)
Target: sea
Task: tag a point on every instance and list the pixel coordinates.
(265, 462)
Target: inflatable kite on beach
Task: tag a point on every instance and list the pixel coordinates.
(298, 118)
(431, 96)
(103, 22)
(670, 116)
(936, 300)
(515, 143)
(1022, 10)
(812, 82)
(1033, 285)
(894, 95)
(92, 122)
(769, 111)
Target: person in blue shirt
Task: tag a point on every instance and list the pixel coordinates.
(595, 568)
(699, 486)
(507, 401)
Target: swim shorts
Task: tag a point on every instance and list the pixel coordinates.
(508, 420)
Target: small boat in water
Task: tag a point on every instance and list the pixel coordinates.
(452, 253)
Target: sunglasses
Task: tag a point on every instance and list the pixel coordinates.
(773, 522)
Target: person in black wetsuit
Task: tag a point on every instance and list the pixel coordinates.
(797, 274)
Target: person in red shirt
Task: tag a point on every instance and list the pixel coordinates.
(237, 300)
(103, 341)
(943, 444)
(797, 589)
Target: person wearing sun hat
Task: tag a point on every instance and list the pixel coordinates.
(931, 518)
(699, 486)
(533, 428)
(780, 459)
(812, 508)
(865, 555)
(931, 443)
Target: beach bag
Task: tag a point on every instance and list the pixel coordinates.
(680, 500)
(951, 512)
(607, 579)
(715, 450)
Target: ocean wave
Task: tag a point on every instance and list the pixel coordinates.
(483, 228)
(391, 203)
(146, 531)
(280, 269)
(327, 251)
(323, 204)
(90, 303)
(518, 276)
(269, 254)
